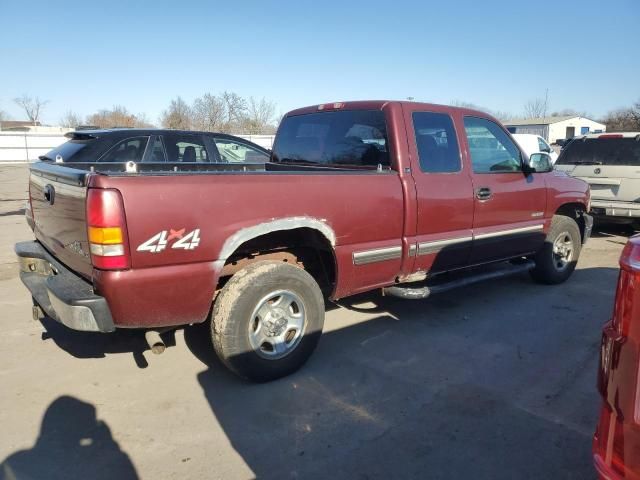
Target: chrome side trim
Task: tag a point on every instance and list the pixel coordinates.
(376, 255)
(425, 248)
(413, 248)
(512, 231)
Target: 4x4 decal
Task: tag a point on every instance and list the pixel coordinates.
(159, 241)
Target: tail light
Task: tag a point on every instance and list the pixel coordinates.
(628, 285)
(107, 230)
(610, 440)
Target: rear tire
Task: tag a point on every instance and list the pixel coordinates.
(267, 320)
(557, 259)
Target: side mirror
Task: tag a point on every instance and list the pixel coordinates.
(540, 163)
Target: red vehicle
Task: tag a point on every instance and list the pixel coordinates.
(616, 444)
(403, 196)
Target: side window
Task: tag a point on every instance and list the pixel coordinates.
(236, 152)
(491, 150)
(436, 142)
(185, 148)
(543, 146)
(129, 150)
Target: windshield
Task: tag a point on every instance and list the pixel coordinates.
(348, 138)
(601, 151)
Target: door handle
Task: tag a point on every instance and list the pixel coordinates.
(483, 193)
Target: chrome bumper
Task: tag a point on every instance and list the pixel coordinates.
(60, 293)
(601, 208)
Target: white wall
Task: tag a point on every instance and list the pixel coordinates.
(27, 146)
(265, 141)
(559, 130)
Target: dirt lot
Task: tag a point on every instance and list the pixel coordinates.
(494, 381)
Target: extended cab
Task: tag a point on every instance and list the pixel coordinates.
(357, 196)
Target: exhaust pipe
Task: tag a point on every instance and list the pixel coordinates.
(37, 313)
(155, 342)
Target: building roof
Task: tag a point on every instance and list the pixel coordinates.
(543, 121)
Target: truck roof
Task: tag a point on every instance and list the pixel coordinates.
(379, 104)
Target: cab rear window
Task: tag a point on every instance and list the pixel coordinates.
(601, 151)
(346, 139)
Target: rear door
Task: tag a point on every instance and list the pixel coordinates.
(509, 206)
(187, 148)
(444, 191)
(610, 163)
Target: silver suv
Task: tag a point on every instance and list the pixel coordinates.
(610, 163)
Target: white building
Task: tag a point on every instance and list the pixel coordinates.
(553, 129)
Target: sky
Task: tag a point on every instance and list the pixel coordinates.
(90, 55)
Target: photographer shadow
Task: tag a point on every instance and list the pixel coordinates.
(72, 443)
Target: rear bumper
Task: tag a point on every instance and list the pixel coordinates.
(62, 295)
(604, 208)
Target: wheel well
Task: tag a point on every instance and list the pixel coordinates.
(305, 247)
(574, 211)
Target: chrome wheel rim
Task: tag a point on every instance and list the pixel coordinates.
(562, 251)
(277, 324)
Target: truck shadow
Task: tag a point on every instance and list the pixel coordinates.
(99, 345)
(423, 387)
(72, 443)
(612, 230)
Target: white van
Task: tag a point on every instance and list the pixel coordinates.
(610, 163)
(534, 144)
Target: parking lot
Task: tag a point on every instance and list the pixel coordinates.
(495, 380)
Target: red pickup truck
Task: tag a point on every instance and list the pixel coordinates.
(406, 197)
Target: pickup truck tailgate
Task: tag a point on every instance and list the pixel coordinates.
(57, 196)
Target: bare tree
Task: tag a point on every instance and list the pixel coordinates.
(118, 116)
(142, 121)
(535, 108)
(32, 106)
(236, 109)
(623, 119)
(634, 113)
(3, 115)
(569, 112)
(260, 116)
(178, 115)
(70, 120)
(209, 113)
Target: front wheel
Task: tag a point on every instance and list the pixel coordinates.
(267, 320)
(557, 259)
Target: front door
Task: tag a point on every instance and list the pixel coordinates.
(509, 204)
(443, 190)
